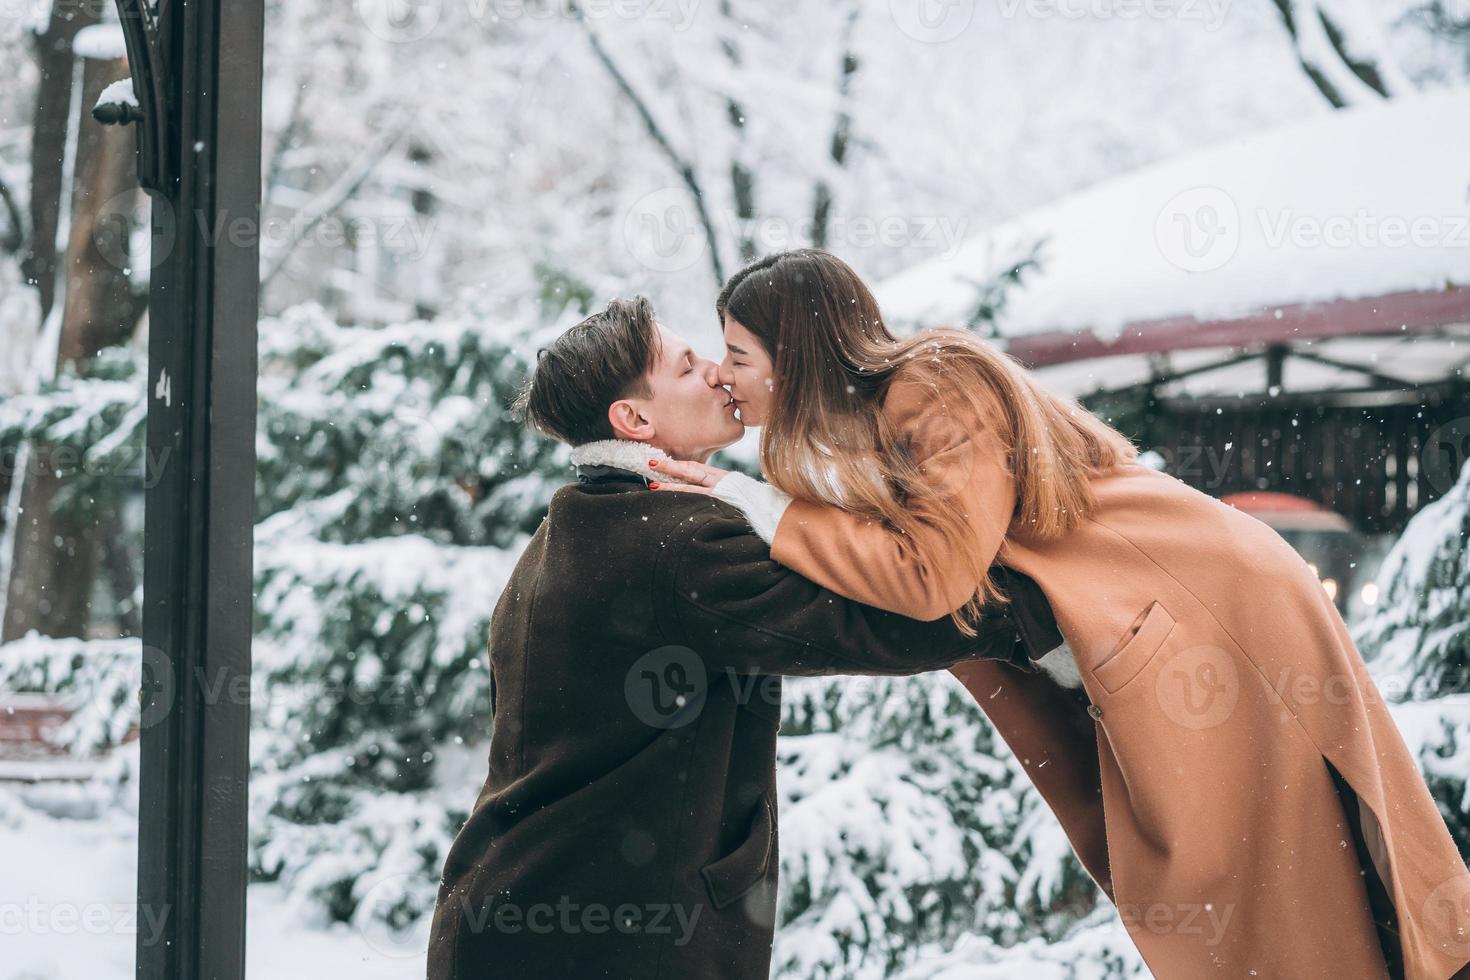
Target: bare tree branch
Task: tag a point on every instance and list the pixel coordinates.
(1328, 90)
(684, 168)
(841, 129)
(742, 177)
(339, 193)
(55, 73)
(1365, 70)
(15, 234)
(1326, 56)
(294, 121)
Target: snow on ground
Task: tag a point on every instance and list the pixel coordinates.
(67, 901)
(1353, 204)
(1099, 948)
(67, 909)
(280, 947)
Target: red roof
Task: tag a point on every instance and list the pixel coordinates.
(1287, 510)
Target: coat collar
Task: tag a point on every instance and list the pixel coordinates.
(618, 459)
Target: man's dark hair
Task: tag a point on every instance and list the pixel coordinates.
(605, 357)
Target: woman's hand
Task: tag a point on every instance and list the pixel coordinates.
(697, 477)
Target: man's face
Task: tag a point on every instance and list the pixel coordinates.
(690, 414)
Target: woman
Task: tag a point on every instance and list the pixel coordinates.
(1226, 769)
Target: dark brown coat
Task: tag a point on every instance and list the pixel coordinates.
(628, 824)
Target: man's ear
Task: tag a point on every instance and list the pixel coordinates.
(628, 422)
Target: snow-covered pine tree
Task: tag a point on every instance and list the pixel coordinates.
(1418, 647)
(394, 494)
(1421, 630)
(907, 827)
(86, 428)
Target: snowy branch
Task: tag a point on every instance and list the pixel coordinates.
(14, 236)
(684, 168)
(841, 128)
(295, 121)
(1341, 64)
(339, 193)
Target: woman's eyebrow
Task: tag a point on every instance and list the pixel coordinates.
(733, 349)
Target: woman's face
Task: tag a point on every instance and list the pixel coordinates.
(746, 371)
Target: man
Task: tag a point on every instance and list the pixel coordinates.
(628, 824)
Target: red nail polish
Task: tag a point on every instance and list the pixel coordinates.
(653, 462)
(654, 486)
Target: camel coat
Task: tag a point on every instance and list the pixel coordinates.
(1193, 773)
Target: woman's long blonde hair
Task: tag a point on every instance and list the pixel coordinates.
(826, 438)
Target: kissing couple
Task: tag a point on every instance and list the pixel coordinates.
(925, 505)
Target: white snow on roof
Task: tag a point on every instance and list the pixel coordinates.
(103, 42)
(1416, 359)
(1352, 204)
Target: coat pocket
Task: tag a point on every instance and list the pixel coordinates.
(739, 871)
(1142, 640)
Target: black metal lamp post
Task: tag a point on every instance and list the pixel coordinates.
(196, 70)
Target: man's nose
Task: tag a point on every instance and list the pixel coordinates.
(723, 375)
(712, 374)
